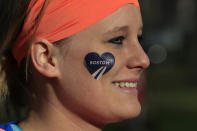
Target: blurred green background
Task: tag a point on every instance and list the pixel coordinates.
(170, 40)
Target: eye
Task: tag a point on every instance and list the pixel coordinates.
(117, 40)
(140, 39)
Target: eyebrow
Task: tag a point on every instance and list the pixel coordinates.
(119, 29)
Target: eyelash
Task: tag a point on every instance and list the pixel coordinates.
(119, 40)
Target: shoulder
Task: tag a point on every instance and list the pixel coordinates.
(7, 126)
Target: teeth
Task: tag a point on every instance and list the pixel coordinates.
(122, 84)
(116, 84)
(125, 84)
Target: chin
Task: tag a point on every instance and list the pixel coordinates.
(126, 112)
(131, 113)
(119, 114)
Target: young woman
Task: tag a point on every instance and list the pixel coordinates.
(79, 60)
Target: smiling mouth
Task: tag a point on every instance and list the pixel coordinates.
(125, 84)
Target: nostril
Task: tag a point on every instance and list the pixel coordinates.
(136, 68)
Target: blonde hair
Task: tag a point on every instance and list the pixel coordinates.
(3, 81)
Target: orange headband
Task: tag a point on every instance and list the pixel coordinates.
(63, 18)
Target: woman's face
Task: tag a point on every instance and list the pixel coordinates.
(100, 101)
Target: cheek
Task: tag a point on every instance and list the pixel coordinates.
(75, 78)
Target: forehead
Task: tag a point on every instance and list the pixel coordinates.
(127, 17)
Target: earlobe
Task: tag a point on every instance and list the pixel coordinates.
(44, 57)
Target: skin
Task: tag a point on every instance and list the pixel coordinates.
(67, 94)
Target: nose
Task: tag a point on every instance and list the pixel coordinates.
(137, 58)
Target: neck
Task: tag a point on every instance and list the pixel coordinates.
(52, 115)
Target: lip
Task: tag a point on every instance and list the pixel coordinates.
(127, 80)
(132, 91)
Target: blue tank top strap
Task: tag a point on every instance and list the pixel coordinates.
(15, 127)
(10, 126)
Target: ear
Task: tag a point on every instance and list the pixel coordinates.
(44, 57)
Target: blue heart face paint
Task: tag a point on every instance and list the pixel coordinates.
(99, 65)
